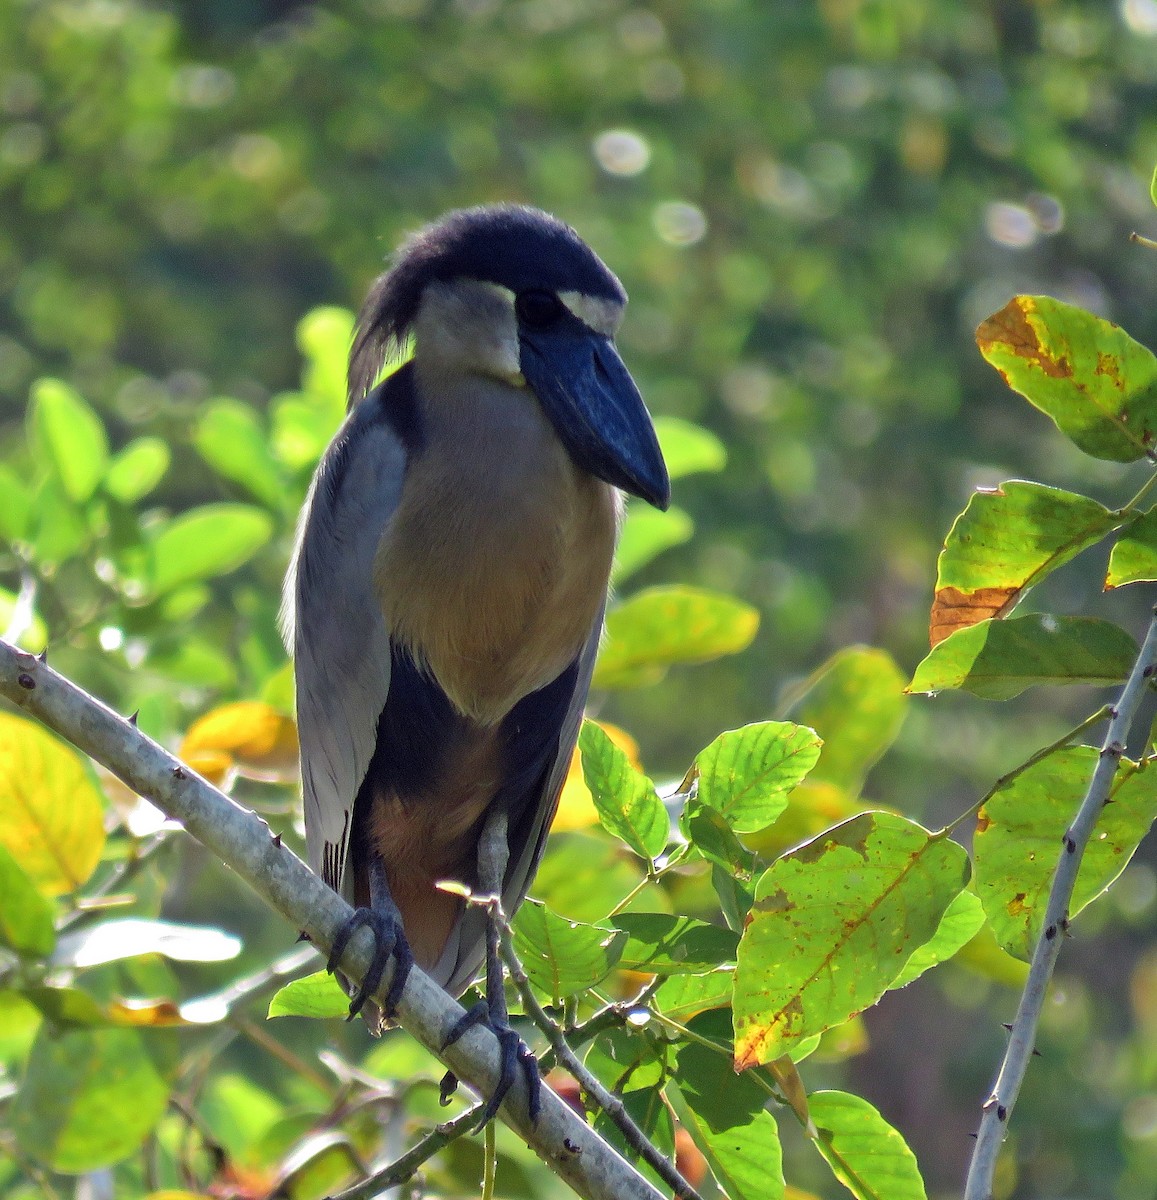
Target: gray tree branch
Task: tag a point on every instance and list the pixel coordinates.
(244, 843)
(1022, 1037)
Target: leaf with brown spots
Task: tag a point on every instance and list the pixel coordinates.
(1006, 540)
(833, 924)
(1097, 384)
(1018, 840)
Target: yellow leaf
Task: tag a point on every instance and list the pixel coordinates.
(258, 739)
(51, 813)
(576, 809)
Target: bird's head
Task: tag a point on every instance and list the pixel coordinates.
(512, 292)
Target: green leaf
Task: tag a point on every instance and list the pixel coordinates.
(15, 506)
(1005, 541)
(51, 814)
(69, 1008)
(864, 1152)
(316, 995)
(687, 448)
(1097, 384)
(90, 1098)
(324, 336)
(58, 526)
(832, 925)
(625, 799)
(661, 626)
(137, 469)
(855, 703)
(1134, 558)
(563, 958)
(1153, 187)
(962, 921)
(998, 659)
(660, 944)
(73, 436)
(680, 997)
(746, 774)
(646, 534)
(300, 429)
(232, 440)
(709, 833)
(584, 876)
(206, 542)
(725, 1115)
(1019, 832)
(25, 914)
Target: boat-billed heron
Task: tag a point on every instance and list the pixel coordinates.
(446, 597)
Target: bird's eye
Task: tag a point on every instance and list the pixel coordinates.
(538, 310)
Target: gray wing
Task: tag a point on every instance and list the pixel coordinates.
(333, 620)
(467, 946)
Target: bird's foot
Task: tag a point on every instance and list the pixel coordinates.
(514, 1052)
(389, 939)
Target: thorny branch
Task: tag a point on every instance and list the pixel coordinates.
(998, 1107)
(245, 843)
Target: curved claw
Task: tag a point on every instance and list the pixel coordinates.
(514, 1052)
(389, 940)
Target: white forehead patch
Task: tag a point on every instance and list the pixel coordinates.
(596, 312)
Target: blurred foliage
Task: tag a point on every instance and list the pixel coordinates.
(812, 206)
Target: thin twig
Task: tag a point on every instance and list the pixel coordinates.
(402, 1170)
(1032, 760)
(607, 1100)
(242, 840)
(998, 1107)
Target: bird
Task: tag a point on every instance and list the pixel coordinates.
(446, 594)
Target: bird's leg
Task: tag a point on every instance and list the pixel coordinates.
(493, 854)
(385, 922)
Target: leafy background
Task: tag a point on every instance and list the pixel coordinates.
(812, 207)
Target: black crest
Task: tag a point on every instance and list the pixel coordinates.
(512, 245)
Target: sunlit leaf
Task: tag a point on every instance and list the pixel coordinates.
(864, 1152)
(624, 798)
(563, 958)
(58, 527)
(660, 944)
(998, 659)
(316, 995)
(90, 1098)
(25, 914)
(1006, 540)
(15, 505)
(855, 702)
(661, 626)
(137, 469)
(206, 542)
(646, 534)
(51, 814)
(688, 448)
(127, 937)
(832, 925)
(72, 435)
(1087, 374)
(1019, 835)
(300, 429)
(746, 774)
(1134, 556)
(69, 1008)
(255, 736)
(324, 336)
(576, 808)
(961, 922)
(231, 438)
(584, 875)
